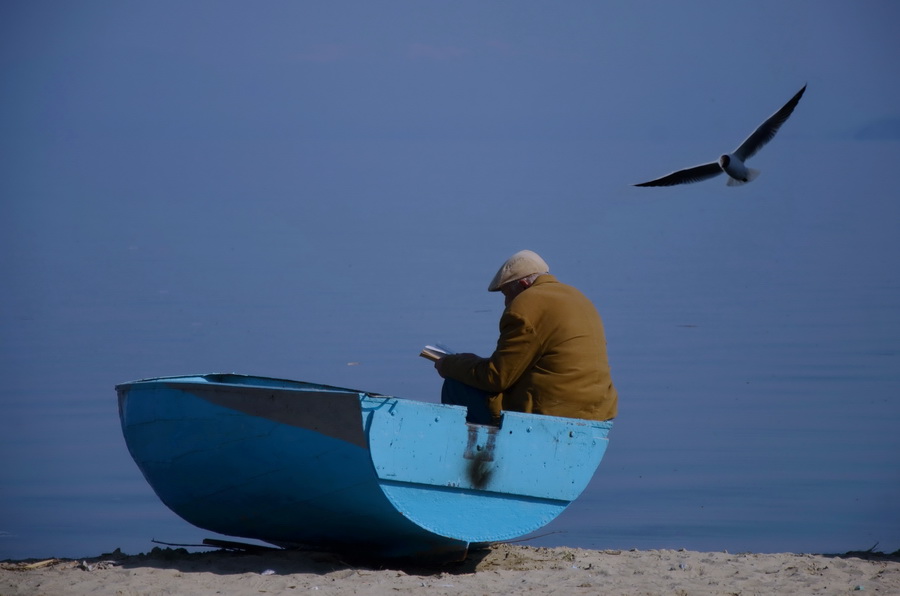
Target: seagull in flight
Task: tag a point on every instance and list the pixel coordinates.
(733, 163)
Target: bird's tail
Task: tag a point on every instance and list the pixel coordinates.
(751, 175)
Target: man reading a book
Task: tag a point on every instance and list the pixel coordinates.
(550, 357)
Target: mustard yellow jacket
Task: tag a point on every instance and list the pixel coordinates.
(550, 357)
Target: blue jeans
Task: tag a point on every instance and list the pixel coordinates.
(476, 400)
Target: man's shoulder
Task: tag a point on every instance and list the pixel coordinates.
(540, 296)
(546, 279)
(547, 284)
(551, 295)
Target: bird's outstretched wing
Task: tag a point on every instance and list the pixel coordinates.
(766, 131)
(686, 176)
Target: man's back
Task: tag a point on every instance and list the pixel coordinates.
(550, 357)
(569, 370)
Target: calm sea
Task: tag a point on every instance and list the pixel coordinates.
(754, 332)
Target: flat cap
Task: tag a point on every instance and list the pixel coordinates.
(522, 264)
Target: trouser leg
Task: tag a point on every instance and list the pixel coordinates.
(459, 394)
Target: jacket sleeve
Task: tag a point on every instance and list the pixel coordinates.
(517, 350)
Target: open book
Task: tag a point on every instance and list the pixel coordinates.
(434, 353)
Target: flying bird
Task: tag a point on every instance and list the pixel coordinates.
(733, 163)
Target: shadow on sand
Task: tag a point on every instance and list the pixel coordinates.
(868, 555)
(237, 558)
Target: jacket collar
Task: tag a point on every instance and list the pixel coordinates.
(546, 278)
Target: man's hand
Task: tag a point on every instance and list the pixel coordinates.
(439, 364)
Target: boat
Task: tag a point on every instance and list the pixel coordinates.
(303, 465)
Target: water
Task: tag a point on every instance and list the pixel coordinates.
(754, 333)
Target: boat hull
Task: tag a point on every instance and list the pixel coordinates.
(295, 463)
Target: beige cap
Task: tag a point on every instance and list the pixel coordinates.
(522, 264)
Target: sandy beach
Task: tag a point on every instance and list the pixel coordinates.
(502, 569)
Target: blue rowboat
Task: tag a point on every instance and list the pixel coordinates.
(304, 465)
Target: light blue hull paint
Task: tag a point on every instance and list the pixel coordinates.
(298, 463)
